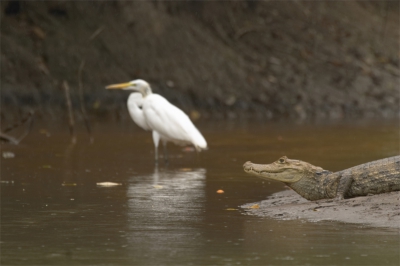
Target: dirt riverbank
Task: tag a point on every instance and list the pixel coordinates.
(265, 59)
(381, 210)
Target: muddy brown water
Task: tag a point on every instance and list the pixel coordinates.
(54, 213)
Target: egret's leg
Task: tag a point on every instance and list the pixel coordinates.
(156, 140)
(165, 151)
(156, 176)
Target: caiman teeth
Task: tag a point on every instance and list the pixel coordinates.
(264, 171)
(247, 166)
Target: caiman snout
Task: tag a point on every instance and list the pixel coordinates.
(247, 166)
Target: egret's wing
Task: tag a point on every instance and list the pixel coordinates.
(171, 122)
(135, 102)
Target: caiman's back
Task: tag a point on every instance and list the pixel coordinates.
(370, 178)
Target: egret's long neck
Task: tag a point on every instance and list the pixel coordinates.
(135, 102)
(147, 91)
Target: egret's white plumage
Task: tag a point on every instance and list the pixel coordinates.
(135, 104)
(153, 112)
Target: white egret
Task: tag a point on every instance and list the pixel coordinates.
(153, 112)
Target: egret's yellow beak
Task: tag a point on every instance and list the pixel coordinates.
(118, 86)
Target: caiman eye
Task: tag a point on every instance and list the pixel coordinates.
(282, 160)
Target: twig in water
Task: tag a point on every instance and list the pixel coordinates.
(8, 138)
(13, 140)
(96, 32)
(70, 113)
(83, 110)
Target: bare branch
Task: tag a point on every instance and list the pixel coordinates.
(70, 112)
(81, 100)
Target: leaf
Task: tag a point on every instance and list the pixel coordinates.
(69, 184)
(108, 184)
(8, 155)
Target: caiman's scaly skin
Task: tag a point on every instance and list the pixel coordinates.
(314, 183)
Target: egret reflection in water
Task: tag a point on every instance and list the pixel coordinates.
(164, 208)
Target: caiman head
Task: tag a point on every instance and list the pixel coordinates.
(306, 179)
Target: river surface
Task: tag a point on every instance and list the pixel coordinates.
(54, 212)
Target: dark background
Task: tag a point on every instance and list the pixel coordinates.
(214, 59)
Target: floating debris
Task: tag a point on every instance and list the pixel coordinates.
(188, 149)
(108, 184)
(8, 155)
(45, 132)
(220, 191)
(231, 209)
(7, 182)
(69, 184)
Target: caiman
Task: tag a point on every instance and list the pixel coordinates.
(314, 183)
